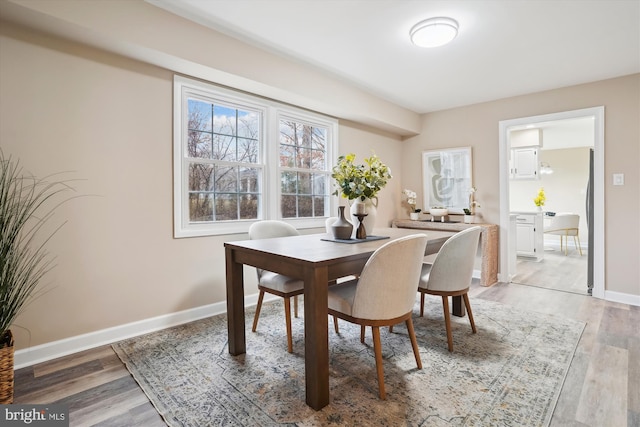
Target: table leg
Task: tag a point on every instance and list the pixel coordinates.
(458, 306)
(316, 337)
(235, 305)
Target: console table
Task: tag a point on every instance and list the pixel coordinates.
(488, 243)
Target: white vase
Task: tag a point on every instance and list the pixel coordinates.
(468, 219)
(367, 206)
(414, 216)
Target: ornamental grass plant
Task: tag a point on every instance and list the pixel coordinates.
(27, 203)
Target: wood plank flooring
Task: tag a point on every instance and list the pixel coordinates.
(555, 271)
(602, 388)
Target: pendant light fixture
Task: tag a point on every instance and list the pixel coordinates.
(434, 32)
(545, 169)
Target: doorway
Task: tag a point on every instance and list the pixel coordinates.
(508, 263)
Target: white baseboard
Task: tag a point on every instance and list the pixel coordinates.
(622, 297)
(53, 350)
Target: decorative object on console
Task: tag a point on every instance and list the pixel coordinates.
(341, 228)
(471, 210)
(411, 201)
(361, 183)
(468, 216)
(440, 212)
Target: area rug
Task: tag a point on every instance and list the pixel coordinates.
(508, 374)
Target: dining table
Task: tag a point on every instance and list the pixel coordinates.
(317, 260)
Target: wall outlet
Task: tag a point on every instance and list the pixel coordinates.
(618, 179)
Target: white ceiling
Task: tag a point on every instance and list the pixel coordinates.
(503, 49)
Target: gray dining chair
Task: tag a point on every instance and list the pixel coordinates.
(450, 275)
(383, 294)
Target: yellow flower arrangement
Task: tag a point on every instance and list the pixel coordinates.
(540, 198)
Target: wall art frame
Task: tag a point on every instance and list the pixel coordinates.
(447, 178)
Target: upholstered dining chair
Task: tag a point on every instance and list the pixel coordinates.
(278, 284)
(329, 222)
(273, 283)
(383, 294)
(450, 275)
(565, 225)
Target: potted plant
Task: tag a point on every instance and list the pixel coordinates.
(361, 183)
(414, 213)
(470, 211)
(25, 206)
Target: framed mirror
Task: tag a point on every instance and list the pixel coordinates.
(447, 178)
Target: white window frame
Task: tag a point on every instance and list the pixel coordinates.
(271, 112)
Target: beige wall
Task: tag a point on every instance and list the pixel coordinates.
(477, 126)
(108, 120)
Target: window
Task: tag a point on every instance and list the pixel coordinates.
(303, 169)
(239, 158)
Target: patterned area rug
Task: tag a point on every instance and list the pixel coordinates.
(508, 374)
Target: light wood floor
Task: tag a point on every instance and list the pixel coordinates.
(602, 388)
(556, 271)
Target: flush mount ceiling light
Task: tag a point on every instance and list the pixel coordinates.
(434, 32)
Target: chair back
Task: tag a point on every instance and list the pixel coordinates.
(329, 222)
(386, 288)
(452, 268)
(565, 224)
(268, 229)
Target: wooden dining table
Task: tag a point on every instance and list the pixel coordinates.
(316, 261)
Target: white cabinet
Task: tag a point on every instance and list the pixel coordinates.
(524, 163)
(524, 145)
(529, 235)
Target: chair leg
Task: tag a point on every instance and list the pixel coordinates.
(421, 304)
(362, 334)
(414, 342)
(257, 315)
(447, 321)
(335, 324)
(391, 329)
(295, 306)
(287, 318)
(468, 305)
(377, 348)
(578, 245)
